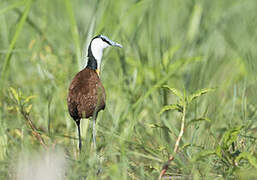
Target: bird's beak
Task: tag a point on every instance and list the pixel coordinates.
(115, 44)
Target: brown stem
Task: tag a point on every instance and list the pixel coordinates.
(171, 158)
(33, 128)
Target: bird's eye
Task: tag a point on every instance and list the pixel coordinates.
(104, 40)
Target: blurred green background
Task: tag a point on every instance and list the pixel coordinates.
(187, 45)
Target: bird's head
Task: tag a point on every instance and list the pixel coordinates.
(96, 47)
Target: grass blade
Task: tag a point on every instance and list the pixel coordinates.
(203, 154)
(74, 31)
(15, 37)
(12, 6)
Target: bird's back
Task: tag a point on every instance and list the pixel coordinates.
(86, 95)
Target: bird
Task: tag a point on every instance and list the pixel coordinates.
(86, 94)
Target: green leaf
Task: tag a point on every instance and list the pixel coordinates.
(203, 154)
(199, 119)
(185, 146)
(171, 107)
(14, 94)
(246, 155)
(198, 94)
(230, 136)
(28, 108)
(219, 152)
(174, 91)
(27, 99)
(10, 108)
(159, 126)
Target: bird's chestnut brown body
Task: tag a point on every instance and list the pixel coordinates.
(86, 95)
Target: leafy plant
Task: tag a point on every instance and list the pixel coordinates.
(23, 106)
(183, 102)
(228, 154)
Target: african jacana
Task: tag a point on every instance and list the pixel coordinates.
(86, 93)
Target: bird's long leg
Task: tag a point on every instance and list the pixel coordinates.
(94, 130)
(78, 125)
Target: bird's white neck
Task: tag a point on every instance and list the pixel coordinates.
(98, 54)
(97, 47)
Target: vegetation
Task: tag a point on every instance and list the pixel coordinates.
(202, 52)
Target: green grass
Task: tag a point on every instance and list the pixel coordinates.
(187, 45)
